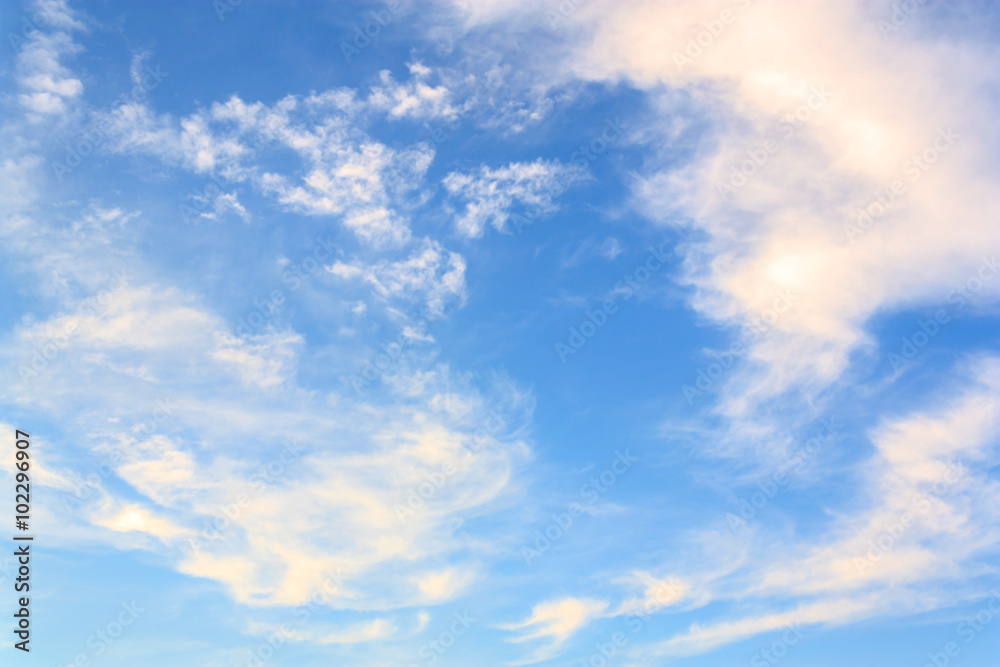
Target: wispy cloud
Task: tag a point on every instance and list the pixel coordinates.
(554, 623)
(490, 194)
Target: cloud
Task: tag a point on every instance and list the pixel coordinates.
(345, 173)
(49, 86)
(429, 274)
(358, 183)
(657, 593)
(217, 490)
(699, 639)
(220, 204)
(850, 119)
(413, 99)
(134, 517)
(360, 632)
(787, 152)
(443, 585)
(491, 194)
(926, 524)
(555, 622)
(228, 504)
(763, 152)
(17, 180)
(353, 633)
(262, 360)
(611, 248)
(839, 132)
(214, 489)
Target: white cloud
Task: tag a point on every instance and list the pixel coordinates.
(265, 360)
(134, 517)
(446, 584)
(354, 633)
(414, 99)
(359, 183)
(346, 174)
(18, 183)
(555, 622)
(657, 593)
(220, 204)
(360, 632)
(189, 143)
(490, 195)
(784, 228)
(611, 248)
(358, 461)
(701, 638)
(120, 352)
(49, 87)
(278, 541)
(926, 524)
(429, 274)
(807, 100)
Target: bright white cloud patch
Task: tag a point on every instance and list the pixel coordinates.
(490, 195)
(415, 98)
(554, 623)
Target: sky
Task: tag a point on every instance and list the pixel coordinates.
(579, 333)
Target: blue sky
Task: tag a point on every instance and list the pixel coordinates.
(511, 333)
